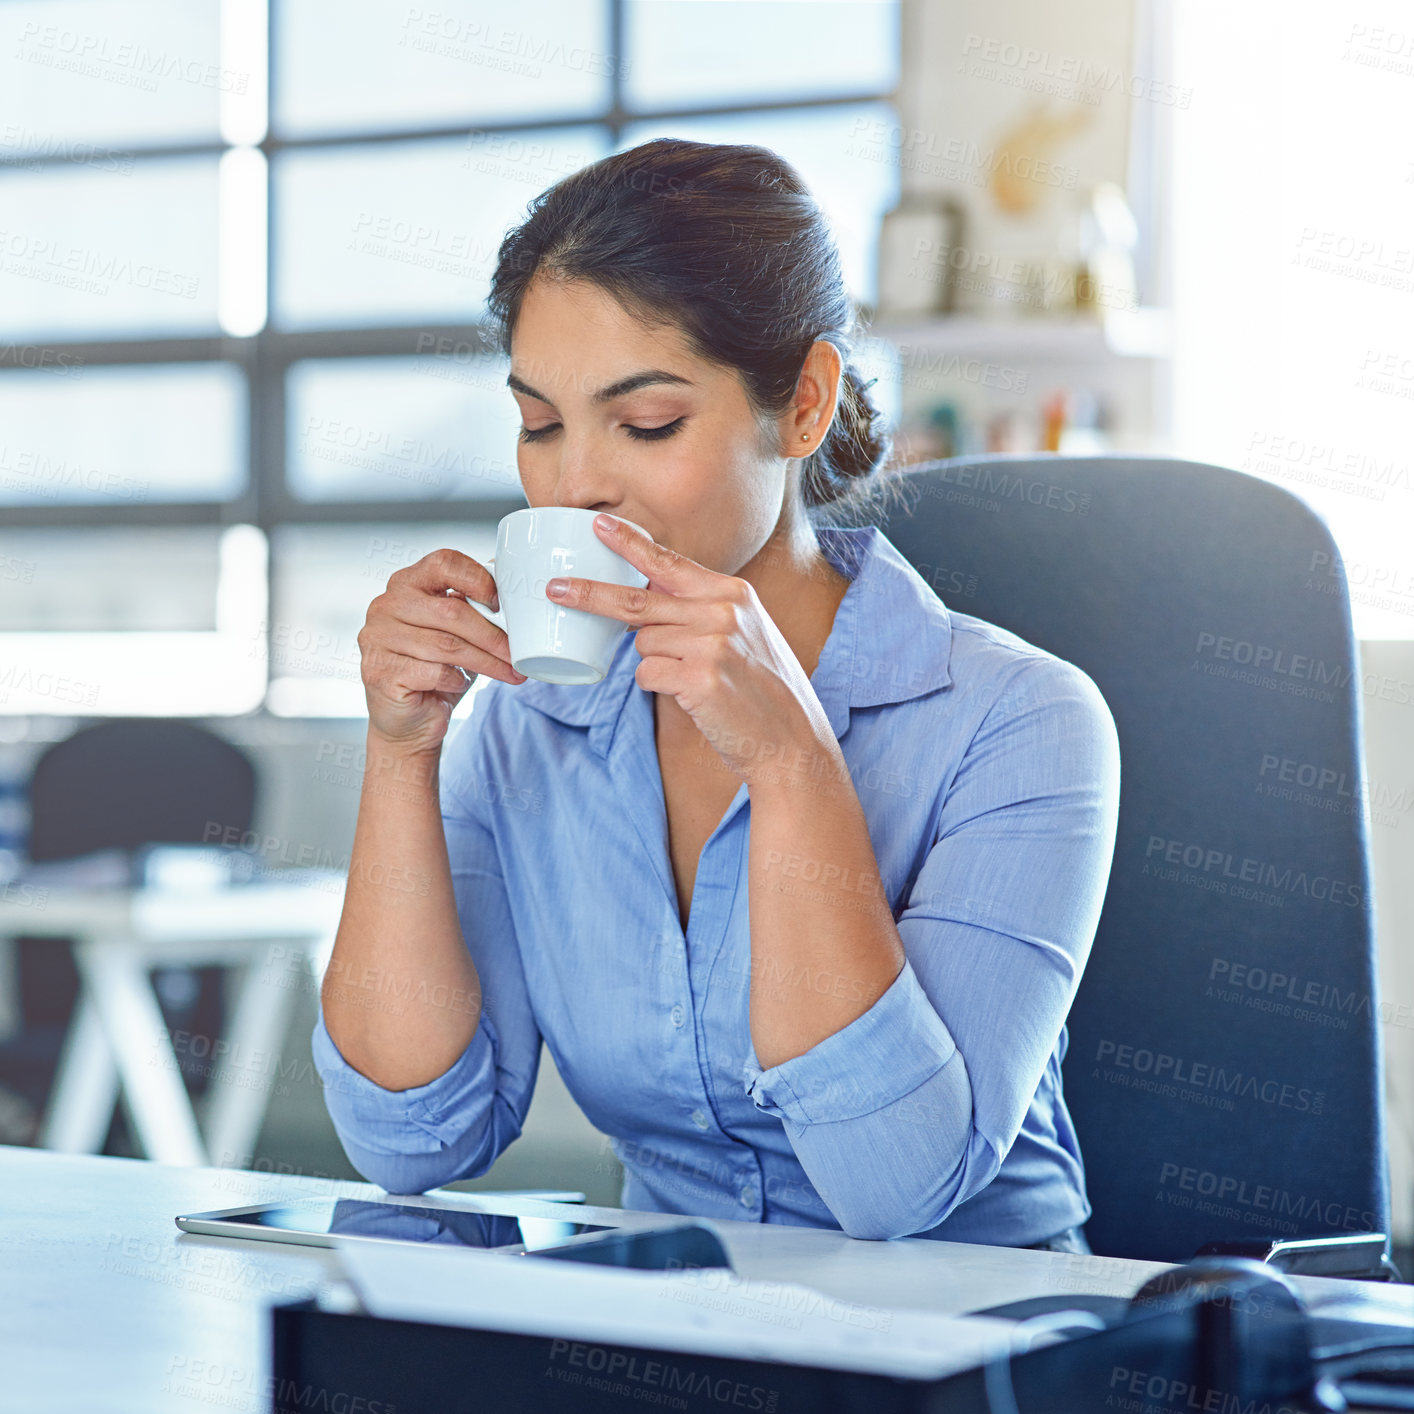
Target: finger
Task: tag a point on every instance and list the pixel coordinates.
(399, 678)
(437, 646)
(449, 613)
(618, 601)
(449, 569)
(674, 572)
(660, 641)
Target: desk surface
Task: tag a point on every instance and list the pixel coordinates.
(105, 1304)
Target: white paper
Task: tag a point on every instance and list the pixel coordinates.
(706, 1311)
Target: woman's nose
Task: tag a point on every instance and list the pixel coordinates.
(584, 480)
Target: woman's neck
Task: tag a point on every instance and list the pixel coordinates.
(800, 589)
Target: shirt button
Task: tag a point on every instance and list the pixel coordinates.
(699, 1119)
(678, 1015)
(748, 1197)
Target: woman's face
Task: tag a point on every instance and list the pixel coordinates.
(674, 449)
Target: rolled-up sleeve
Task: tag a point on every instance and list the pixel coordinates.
(456, 1125)
(911, 1108)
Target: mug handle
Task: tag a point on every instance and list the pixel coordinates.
(497, 616)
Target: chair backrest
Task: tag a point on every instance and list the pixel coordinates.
(1224, 1062)
(126, 783)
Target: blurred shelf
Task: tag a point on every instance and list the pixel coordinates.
(1120, 333)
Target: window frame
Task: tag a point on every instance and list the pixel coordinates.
(264, 358)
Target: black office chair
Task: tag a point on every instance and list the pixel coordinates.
(122, 784)
(1225, 1057)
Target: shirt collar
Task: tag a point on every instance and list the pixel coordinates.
(890, 641)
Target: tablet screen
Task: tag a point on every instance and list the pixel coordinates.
(457, 1227)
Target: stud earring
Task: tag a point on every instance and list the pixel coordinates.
(804, 436)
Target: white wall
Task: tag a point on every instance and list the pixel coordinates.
(1279, 129)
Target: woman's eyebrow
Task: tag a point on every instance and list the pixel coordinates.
(630, 384)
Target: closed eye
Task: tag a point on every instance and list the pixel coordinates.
(639, 434)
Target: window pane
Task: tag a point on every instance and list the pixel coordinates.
(409, 429)
(87, 252)
(406, 231)
(122, 435)
(837, 160)
(81, 77)
(682, 52)
(120, 622)
(87, 580)
(325, 579)
(361, 65)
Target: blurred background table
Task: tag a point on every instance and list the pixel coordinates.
(277, 933)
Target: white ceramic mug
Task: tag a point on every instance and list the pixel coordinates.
(549, 641)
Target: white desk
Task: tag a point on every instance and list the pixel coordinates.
(105, 1305)
(279, 933)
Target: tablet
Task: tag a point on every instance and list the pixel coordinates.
(324, 1222)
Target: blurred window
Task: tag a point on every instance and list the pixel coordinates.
(245, 250)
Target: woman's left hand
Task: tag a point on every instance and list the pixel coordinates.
(706, 641)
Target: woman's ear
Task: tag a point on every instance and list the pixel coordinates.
(817, 393)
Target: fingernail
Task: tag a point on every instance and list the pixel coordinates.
(605, 522)
(558, 587)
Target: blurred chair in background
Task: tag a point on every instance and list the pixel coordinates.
(117, 788)
(123, 784)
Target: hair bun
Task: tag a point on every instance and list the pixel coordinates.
(856, 446)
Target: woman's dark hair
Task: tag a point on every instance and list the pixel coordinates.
(725, 242)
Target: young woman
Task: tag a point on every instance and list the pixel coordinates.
(800, 893)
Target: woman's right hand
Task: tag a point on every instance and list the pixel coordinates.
(414, 639)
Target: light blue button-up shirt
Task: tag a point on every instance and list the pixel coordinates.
(988, 771)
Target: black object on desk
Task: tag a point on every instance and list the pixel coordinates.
(679, 1247)
(1220, 1333)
